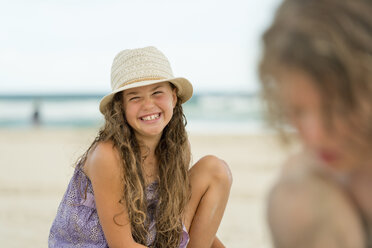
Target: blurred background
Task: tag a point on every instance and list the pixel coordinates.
(56, 56)
(55, 61)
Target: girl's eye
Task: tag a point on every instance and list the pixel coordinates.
(133, 98)
(157, 92)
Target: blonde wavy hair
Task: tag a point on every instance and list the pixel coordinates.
(331, 41)
(173, 191)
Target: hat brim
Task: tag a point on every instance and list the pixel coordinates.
(183, 85)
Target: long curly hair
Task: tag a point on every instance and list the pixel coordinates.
(173, 191)
(331, 41)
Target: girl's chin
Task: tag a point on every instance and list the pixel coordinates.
(332, 166)
(150, 133)
(340, 166)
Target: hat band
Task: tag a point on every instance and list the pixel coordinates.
(140, 80)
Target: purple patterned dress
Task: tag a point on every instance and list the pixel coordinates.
(77, 224)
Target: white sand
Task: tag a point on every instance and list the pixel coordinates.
(36, 166)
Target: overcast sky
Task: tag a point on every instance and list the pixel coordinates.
(68, 46)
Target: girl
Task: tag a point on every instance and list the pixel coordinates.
(133, 186)
(316, 73)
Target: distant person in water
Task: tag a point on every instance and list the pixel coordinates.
(316, 74)
(36, 113)
(133, 186)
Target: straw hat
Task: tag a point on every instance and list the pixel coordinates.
(143, 66)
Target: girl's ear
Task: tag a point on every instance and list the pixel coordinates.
(174, 97)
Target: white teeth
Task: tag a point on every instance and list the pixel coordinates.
(150, 117)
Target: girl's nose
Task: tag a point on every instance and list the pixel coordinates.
(312, 131)
(148, 102)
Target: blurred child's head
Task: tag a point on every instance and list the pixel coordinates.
(316, 74)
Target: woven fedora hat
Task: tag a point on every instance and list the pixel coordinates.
(140, 67)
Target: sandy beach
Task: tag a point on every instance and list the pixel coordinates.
(36, 166)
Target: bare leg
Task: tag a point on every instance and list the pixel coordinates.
(217, 243)
(312, 212)
(211, 181)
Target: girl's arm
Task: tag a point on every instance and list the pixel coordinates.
(104, 170)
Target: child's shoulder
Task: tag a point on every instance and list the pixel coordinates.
(104, 158)
(105, 148)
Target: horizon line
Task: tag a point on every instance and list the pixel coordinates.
(70, 96)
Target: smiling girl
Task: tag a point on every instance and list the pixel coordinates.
(133, 186)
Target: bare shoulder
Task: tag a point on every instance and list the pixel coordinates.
(302, 200)
(302, 181)
(103, 161)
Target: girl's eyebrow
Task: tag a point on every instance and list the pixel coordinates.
(131, 93)
(136, 93)
(156, 87)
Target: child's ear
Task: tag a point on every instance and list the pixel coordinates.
(174, 97)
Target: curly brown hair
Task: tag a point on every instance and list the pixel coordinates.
(173, 191)
(331, 41)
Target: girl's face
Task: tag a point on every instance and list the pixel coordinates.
(148, 109)
(303, 105)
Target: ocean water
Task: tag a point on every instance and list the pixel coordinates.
(207, 113)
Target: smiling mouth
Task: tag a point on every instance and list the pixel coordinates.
(150, 117)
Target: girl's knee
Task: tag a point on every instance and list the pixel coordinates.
(216, 169)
